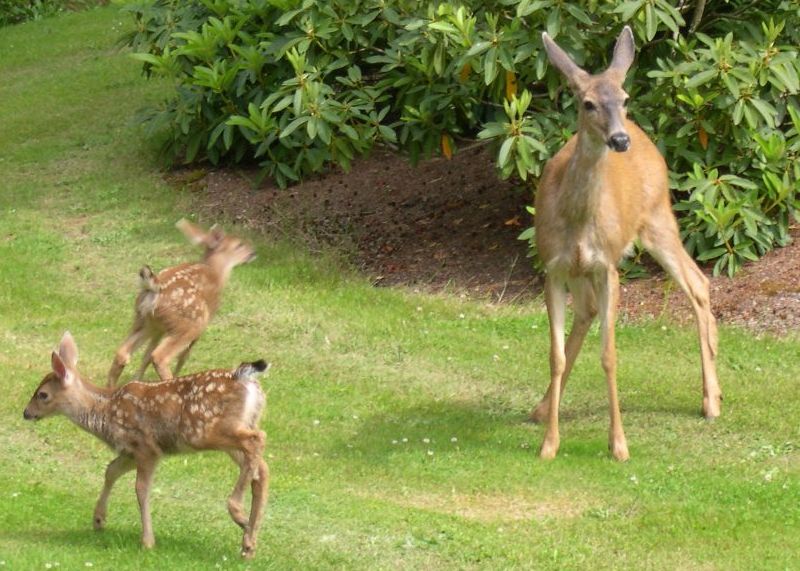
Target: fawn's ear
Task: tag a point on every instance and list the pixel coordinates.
(64, 374)
(193, 233)
(215, 236)
(247, 370)
(561, 60)
(68, 350)
(623, 52)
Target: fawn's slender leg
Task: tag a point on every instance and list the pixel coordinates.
(260, 489)
(116, 468)
(166, 350)
(664, 244)
(555, 294)
(136, 337)
(236, 499)
(183, 357)
(146, 358)
(584, 306)
(607, 298)
(145, 469)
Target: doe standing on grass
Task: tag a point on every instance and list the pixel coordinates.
(606, 187)
(174, 307)
(212, 410)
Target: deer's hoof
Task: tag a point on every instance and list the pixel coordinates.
(248, 548)
(540, 414)
(711, 407)
(99, 522)
(548, 450)
(619, 450)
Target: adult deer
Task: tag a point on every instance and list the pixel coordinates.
(213, 410)
(603, 189)
(174, 307)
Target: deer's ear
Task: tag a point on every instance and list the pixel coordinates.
(193, 233)
(68, 350)
(215, 236)
(623, 52)
(561, 60)
(60, 369)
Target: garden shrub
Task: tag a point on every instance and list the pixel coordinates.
(300, 85)
(16, 11)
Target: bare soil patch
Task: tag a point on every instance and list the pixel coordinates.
(452, 225)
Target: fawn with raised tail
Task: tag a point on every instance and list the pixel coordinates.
(212, 410)
(174, 307)
(606, 187)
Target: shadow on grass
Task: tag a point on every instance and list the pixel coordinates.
(488, 427)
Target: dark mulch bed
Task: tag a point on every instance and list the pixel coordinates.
(453, 225)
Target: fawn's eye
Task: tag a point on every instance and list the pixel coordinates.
(588, 105)
(41, 395)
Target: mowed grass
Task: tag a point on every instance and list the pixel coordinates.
(395, 420)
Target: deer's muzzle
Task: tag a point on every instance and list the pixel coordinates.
(619, 142)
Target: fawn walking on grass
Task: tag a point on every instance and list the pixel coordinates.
(604, 188)
(212, 410)
(174, 307)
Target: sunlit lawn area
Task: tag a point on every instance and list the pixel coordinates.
(395, 420)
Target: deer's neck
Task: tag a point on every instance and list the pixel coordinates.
(90, 409)
(220, 270)
(584, 178)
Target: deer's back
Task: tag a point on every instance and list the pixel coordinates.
(573, 229)
(186, 413)
(187, 297)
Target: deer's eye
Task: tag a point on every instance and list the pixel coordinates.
(589, 106)
(41, 395)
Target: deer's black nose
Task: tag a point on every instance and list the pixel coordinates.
(26, 415)
(619, 142)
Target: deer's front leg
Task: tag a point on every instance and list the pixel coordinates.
(555, 294)
(608, 295)
(144, 478)
(116, 468)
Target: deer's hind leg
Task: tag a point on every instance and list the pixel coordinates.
(260, 489)
(236, 499)
(137, 336)
(584, 309)
(167, 349)
(664, 244)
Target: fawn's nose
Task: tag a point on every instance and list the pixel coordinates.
(26, 415)
(619, 142)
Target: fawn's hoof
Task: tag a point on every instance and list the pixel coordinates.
(248, 548)
(99, 522)
(148, 542)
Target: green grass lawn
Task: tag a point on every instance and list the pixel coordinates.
(395, 420)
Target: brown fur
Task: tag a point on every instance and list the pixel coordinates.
(212, 410)
(174, 308)
(591, 204)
